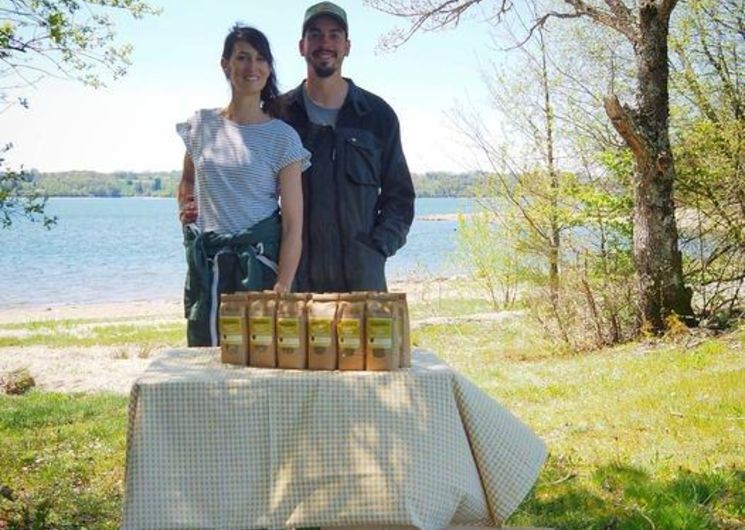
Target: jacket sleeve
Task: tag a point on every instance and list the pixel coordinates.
(396, 201)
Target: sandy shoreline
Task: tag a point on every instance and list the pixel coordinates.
(103, 310)
(417, 290)
(83, 368)
(115, 368)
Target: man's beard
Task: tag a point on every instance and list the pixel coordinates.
(323, 71)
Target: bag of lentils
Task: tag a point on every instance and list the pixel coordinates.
(322, 331)
(350, 331)
(404, 331)
(382, 345)
(292, 338)
(233, 327)
(262, 349)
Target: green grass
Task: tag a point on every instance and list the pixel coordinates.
(62, 457)
(448, 307)
(91, 332)
(640, 437)
(648, 436)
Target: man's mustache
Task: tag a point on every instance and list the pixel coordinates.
(318, 52)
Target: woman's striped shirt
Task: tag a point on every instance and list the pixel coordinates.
(237, 168)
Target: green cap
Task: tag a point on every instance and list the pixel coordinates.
(328, 9)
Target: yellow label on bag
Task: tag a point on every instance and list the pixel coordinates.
(230, 331)
(380, 332)
(349, 333)
(262, 330)
(319, 331)
(288, 332)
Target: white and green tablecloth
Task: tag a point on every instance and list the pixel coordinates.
(214, 446)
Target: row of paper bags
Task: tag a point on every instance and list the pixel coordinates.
(330, 331)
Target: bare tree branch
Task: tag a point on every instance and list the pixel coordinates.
(541, 22)
(617, 19)
(620, 11)
(428, 15)
(622, 118)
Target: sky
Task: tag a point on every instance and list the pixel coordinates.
(129, 125)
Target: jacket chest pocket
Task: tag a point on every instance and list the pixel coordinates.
(362, 161)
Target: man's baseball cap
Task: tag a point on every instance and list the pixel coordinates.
(327, 9)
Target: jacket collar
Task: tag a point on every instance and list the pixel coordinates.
(356, 98)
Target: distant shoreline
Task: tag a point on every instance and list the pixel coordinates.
(173, 197)
(119, 184)
(425, 217)
(443, 216)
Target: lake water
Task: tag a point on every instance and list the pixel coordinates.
(130, 249)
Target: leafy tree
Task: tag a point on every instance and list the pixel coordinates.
(524, 190)
(709, 138)
(496, 268)
(556, 214)
(644, 128)
(14, 203)
(41, 38)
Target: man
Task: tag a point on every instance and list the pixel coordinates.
(358, 194)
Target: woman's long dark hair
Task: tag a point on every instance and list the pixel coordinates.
(258, 40)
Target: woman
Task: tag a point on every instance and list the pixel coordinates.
(241, 167)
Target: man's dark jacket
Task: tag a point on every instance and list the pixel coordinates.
(358, 194)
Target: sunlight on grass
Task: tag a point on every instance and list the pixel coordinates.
(66, 333)
(642, 436)
(448, 307)
(62, 458)
(660, 418)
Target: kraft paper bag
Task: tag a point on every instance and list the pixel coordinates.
(292, 337)
(350, 331)
(322, 351)
(382, 343)
(233, 326)
(262, 346)
(403, 326)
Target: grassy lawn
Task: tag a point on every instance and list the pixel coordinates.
(648, 436)
(61, 460)
(640, 437)
(92, 332)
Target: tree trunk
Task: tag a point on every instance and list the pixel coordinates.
(554, 242)
(656, 255)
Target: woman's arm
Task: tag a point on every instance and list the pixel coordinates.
(187, 207)
(291, 202)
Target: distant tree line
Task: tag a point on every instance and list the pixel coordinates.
(163, 184)
(442, 184)
(95, 184)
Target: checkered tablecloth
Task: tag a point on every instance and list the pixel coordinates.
(214, 446)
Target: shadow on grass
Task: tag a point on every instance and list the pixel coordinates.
(61, 459)
(616, 497)
(622, 497)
